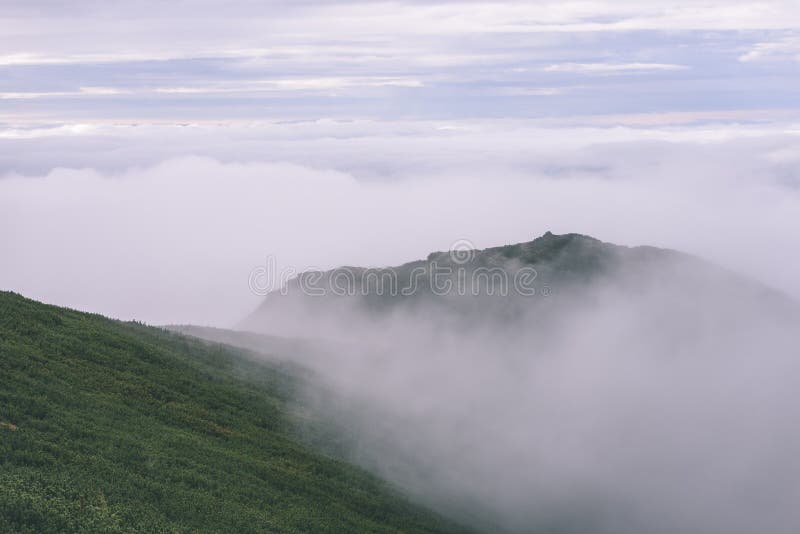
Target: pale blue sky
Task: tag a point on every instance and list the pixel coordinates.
(242, 59)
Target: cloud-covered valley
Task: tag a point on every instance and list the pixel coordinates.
(157, 222)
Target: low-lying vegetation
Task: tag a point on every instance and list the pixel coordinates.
(119, 427)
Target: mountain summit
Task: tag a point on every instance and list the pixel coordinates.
(460, 283)
(466, 286)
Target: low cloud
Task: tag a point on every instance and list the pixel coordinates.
(657, 400)
(125, 221)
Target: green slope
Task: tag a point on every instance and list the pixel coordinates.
(117, 427)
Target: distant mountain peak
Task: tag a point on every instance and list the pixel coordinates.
(475, 286)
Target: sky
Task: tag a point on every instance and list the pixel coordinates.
(153, 154)
(199, 60)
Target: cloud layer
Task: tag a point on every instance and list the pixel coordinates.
(129, 221)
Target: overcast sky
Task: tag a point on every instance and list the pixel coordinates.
(152, 154)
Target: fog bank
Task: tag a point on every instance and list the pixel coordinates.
(621, 407)
(128, 222)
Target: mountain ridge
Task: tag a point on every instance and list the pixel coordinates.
(485, 283)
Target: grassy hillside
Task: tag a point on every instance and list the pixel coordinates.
(117, 427)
